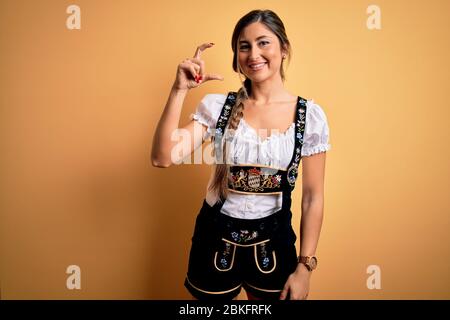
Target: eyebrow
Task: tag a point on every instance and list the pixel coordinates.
(260, 37)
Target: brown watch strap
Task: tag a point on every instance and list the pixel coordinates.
(306, 260)
(302, 259)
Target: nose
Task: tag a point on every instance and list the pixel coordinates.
(254, 54)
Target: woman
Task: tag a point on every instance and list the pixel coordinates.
(243, 235)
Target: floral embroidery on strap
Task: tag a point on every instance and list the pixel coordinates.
(299, 131)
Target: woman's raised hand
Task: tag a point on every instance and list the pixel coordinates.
(191, 72)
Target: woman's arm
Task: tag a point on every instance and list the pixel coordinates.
(313, 173)
(163, 143)
(190, 74)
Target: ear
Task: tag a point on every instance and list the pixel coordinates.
(284, 51)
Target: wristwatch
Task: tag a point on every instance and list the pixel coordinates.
(309, 261)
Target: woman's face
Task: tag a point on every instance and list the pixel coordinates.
(259, 52)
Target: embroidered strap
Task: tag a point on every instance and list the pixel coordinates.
(300, 117)
(221, 125)
(256, 178)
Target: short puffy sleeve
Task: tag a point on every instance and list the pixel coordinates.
(316, 135)
(208, 111)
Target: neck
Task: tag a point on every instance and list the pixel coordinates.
(268, 91)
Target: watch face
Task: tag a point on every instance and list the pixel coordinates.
(313, 262)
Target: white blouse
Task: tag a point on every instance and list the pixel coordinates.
(247, 147)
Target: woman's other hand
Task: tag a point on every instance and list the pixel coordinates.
(297, 284)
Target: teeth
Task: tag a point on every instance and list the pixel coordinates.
(257, 66)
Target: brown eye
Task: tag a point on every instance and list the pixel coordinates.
(264, 43)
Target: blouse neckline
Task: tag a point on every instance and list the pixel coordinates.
(276, 133)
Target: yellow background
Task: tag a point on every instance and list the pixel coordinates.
(79, 109)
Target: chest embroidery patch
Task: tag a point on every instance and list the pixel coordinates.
(253, 180)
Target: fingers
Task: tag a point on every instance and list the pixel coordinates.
(198, 52)
(207, 77)
(285, 291)
(192, 67)
(297, 296)
(291, 293)
(199, 66)
(201, 48)
(199, 63)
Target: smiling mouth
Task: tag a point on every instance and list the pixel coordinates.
(256, 67)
